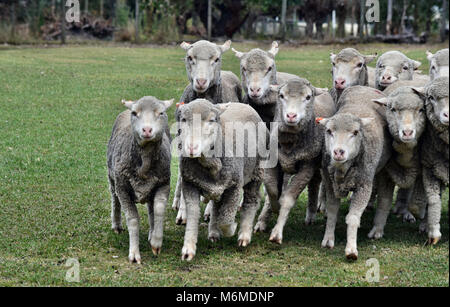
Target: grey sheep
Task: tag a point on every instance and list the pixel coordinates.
(435, 152)
(208, 169)
(299, 153)
(357, 148)
(438, 64)
(139, 169)
(393, 66)
(405, 114)
(349, 68)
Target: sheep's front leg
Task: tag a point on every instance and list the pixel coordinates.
(401, 208)
(322, 206)
(181, 215)
(159, 208)
(273, 182)
(313, 198)
(213, 229)
(192, 198)
(227, 209)
(250, 205)
(132, 218)
(432, 187)
(332, 206)
(207, 214)
(288, 199)
(359, 202)
(385, 188)
(177, 195)
(116, 214)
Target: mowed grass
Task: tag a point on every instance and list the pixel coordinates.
(57, 109)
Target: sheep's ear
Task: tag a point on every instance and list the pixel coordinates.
(128, 103)
(225, 47)
(222, 107)
(275, 87)
(238, 54)
(370, 58)
(332, 57)
(320, 91)
(381, 101)
(420, 91)
(322, 121)
(185, 46)
(429, 55)
(274, 50)
(416, 64)
(366, 120)
(168, 103)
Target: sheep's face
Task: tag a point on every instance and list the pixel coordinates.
(349, 68)
(437, 101)
(296, 102)
(439, 64)
(405, 113)
(344, 136)
(148, 118)
(199, 128)
(394, 66)
(203, 64)
(258, 71)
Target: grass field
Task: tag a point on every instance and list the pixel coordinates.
(57, 109)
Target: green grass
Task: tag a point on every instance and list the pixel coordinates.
(58, 106)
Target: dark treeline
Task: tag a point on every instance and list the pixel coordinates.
(171, 20)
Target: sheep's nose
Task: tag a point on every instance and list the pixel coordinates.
(291, 116)
(386, 78)
(192, 148)
(201, 82)
(147, 131)
(339, 83)
(339, 153)
(408, 133)
(255, 91)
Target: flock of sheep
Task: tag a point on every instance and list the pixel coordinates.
(374, 130)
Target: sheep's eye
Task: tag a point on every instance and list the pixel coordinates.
(393, 110)
(281, 96)
(179, 131)
(190, 59)
(270, 69)
(183, 120)
(355, 133)
(422, 110)
(212, 120)
(134, 113)
(381, 66)
(360, 65)
(161, 114)
(334, 64)
(405, 67)
(308, 97)
(329, 132)
(216, 60)
(433, 68)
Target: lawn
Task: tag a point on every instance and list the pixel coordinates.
(57, 110)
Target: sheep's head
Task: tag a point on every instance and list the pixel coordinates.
(199, 127)
(393, 66)
(344, 136)
(405, 113)
(296, 101)
(350, 68)
(148, 118)
(439, 66)
(203, 63)
(436, 95)
(258, 71)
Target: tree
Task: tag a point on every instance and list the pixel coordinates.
(444, 18)
(389, 18)
(341, 14)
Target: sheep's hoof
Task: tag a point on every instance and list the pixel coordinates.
(243, 242)
(433, 241)
(352, 256)
(206, 217)
(423, 227)
(409, 218)
(134, 257)
(376, 233)
(180, 221)
(156, 250)
(118, 230)
(328, 243)
(176, 205)
(188, 256)
(260, 227)
(214, 237)
(309, 220)
(276, 238)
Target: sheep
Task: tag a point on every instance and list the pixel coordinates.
(393, 66)
(435, 152)
(439, 66)
(405, 114)
(357, 147)
(299, 153)
(349, 69)
(203, 66)
(208, 169)
(258, 73)
(139, 169)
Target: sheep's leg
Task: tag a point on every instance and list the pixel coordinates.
(181, 215)
(313, 197)
(273, 181)
(332, 206)
(207, 214)
(404, 197)
(213, 229)
(359, 202)
(385, 194)
(177, 196)
(116, 214)
(249, 207)
(288, 199)
(159, 208)
(192, 198)
(227, 209)
(132, 218)
(322, 206)
(151, 218)
(433, 189)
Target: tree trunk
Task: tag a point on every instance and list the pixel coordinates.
(86, 6)
(63, 22)
(444, 19)
(209, 19)
(101, 8)
(403, 20)
(389, 18)
(283, 19)
(341, 14)
(353, 16)
(136, 22)
(361, 19)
